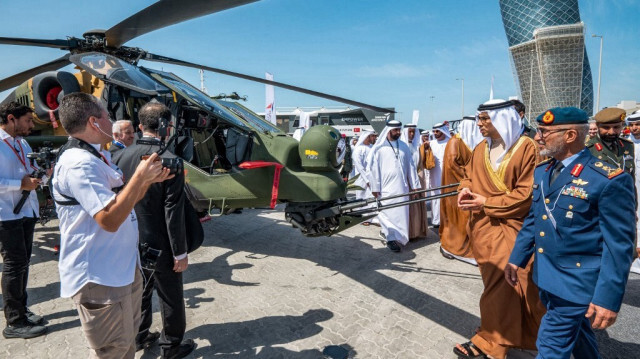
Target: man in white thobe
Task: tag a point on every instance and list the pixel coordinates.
(360, 155)
(354, 142)
(633, 121)
(391, 173)
(359, 158)
(441, 136)
(409, 137)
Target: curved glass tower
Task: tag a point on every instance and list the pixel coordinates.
(548, 56)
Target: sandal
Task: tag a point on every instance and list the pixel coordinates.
(469, 347)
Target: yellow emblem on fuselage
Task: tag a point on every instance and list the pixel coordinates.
(310, 153)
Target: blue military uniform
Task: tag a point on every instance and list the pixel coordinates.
(579, 229)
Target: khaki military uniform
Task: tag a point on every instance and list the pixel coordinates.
(619, 155)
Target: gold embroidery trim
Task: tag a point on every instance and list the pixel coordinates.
(494, 175)
(497, 177)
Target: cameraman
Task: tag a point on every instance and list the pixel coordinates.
(99, 262)
(161, 224)
(16, 230)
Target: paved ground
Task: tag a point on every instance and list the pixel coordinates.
(259, 289)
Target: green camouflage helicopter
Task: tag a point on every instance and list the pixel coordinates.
(233, 158)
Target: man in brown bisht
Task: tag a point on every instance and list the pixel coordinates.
(454, 242)
(417, 211)
(497, 190)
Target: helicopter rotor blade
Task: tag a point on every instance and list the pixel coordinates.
(168, 60)
(17, 79)
(56, 44)
(165, 13)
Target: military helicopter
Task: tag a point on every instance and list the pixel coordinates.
(233, 158)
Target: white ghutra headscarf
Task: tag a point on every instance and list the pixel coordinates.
(634, 117)
(506, 120)
(417, 139)
(444, 128)
(469, 132)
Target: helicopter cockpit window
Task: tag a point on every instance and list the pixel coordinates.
(249, 116)
(200, 98)
(117, 71)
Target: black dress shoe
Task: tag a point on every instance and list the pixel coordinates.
(179, 351)
(394, 246)
(151, 338)
(33, 318)
(24, 331)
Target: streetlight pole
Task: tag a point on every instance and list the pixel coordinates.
(599, 72)
(462, 79)
(433, 116)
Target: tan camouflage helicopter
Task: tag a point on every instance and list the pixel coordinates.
(233, 158)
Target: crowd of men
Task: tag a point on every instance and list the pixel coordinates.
(529, 206)
(522, 190)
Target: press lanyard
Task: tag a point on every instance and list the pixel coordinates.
(395, 151)
(22, 158)
(553, 220)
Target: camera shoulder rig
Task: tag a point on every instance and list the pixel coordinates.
(76, 143)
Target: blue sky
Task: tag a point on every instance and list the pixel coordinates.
(386, 53)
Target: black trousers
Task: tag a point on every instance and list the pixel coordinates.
(16, 242)
(168, 286)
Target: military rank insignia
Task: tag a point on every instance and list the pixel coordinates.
(577, 192)
(615, 172)
(575, 172)
(579, 182)
(598, 146)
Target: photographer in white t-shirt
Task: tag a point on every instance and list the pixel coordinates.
(99, 264)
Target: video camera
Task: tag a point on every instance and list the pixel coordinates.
(175, 165)
(45, 159)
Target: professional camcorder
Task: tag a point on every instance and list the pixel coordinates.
(174, 165)
(45, 159)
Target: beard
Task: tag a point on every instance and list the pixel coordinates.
(394, 137)
(609, 138)
(552, 149)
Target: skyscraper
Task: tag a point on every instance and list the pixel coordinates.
(548, 56)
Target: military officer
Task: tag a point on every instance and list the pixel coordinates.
(582, 243)
(608, 146)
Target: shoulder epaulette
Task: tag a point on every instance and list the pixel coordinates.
(605, 169)
(615, 173)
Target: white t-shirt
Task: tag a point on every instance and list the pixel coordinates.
(89, 253)
(15, 165)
